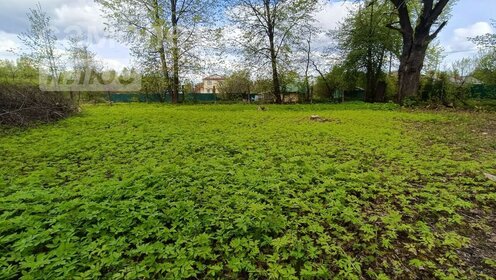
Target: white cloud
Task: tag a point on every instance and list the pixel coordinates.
(8, 41)
(329, 19)
(112, 63)
(333, 13)
(84, 15)
(108, 45)
(460, 41)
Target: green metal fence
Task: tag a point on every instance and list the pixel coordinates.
(155, 97)
(476, 92)
(134, 97)
(354, 95)
(483, 91)
(198, 97)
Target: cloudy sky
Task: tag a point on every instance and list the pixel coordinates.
(470, 18)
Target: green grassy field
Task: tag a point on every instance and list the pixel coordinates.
(229, 191)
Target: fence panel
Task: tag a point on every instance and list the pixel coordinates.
(483, 91)
(155, 97)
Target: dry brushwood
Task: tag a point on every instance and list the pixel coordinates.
(21, 105)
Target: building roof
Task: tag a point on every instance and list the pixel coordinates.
(465, 80)
(214, 78)
(292, 88)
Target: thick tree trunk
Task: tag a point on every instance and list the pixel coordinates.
(370, 88)
(380, 91)
(371, 83)
(411, 64)
(416, 39)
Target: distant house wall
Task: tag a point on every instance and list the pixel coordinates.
(291, 98)
(210, 84)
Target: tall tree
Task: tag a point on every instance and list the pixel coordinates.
(366, 42)
(161, 32)
(485, 69)
(9, 70)
(237, 86)
(23, 71)
(40, 41)
(417, 34)
(27, 69)
(270, 29)
(82, 59)
(307, 51)
(83, 63)
(433, 59)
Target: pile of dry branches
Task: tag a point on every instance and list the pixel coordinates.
(22, 105)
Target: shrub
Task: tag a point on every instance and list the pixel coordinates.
(25, 104)
(443, 90)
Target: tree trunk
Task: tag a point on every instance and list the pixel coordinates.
(276, 82)
(175, 54)
(380, 86)
(370, 75)
(165, 71)
(326, 82)
(411, 64)
(371, 82)
(249, 94)
(161, 50)
(273, 55)
(307, 66)
(416, 39)
(380, 91)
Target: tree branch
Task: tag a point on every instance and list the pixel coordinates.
(436, 12)
(434, 35)
(391, 26)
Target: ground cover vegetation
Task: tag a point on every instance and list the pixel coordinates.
(155, 191)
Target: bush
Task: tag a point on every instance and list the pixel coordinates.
(25, 104)
(441, 90)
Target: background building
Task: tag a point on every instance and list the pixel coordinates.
(210, 84)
